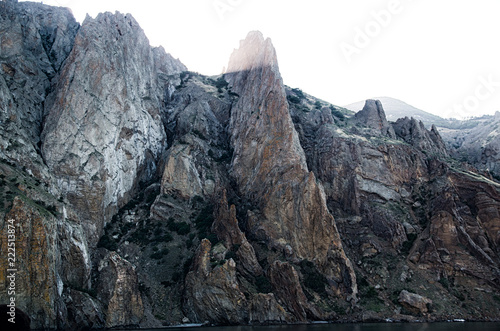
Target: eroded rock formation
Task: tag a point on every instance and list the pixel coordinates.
(144, 194)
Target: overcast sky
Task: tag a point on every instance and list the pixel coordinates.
(439, 56)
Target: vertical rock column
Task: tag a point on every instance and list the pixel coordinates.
(270, 168)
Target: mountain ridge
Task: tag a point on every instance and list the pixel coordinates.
(147, 195)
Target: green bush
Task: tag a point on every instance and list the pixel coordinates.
(221, 83)
(140, 236)
(263, 285)
(313, 279)
(204, 220)
(298, 92)
(108, 243)
(182, 228)
(337, 113)
(293, 99)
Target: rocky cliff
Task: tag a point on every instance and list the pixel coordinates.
(147, 195)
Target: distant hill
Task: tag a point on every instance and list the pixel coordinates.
(395, 109)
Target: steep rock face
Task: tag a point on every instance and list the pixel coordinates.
(361, 175)
(373, 116)
(285, 281)
(270, 169)
(461, 237)
(214, 293)
(118, 287)
(476, 141)
(196, 122)
(35, 40)
(226, 228)
(397, 198)
(51, 250)
(36, 261)
(265, 309)
(410, 219)
(103, 132)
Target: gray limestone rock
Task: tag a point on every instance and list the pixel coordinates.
(103, 133)
(415, 133)
(373, 116)
(35, 40)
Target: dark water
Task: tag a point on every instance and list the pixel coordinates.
(455, 326)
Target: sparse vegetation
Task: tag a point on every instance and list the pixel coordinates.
(313, 279)
(262, 284)
(107, 242)
(204, 222)
(337, 113)
(293, 99)
(182, 228)
(159, 254)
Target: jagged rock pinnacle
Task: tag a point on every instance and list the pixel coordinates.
(254, 52)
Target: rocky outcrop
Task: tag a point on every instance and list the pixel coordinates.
(215, 195)
(475, 141)
(265, 309)
(460, 237)
(397, 195)
(285, 282)
(117, 286)
(415, 303)
(103, 133)
(415, 134)
(213, 292)
(226, 228)
(373, 116)
(36, 39)
(270, 169)
(36, 259)
(180, 176)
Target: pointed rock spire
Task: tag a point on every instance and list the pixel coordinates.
(373, 116)
(270, 168)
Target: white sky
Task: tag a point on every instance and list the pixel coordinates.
(440, 56)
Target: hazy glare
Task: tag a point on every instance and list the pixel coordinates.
(439, 56)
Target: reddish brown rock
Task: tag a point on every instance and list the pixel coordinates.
(415, 303)
(213, 293)
(270, 169)
(265, 309)
(119, 288)
(226, 228)
(286, 286)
